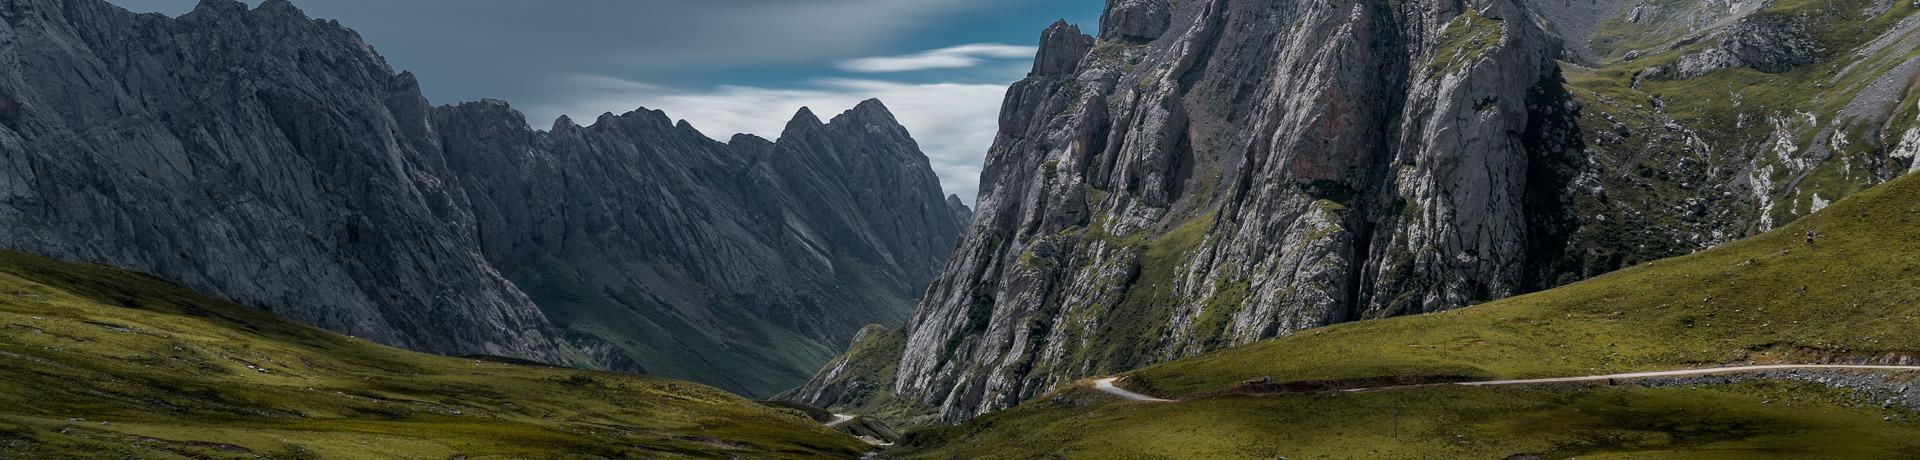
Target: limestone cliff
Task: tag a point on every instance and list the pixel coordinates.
(1210, 173)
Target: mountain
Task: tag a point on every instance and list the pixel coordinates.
(1842, 298)
(257, 155)
(101, 362)
(278, 161)
(1213, 173)
(744, 264)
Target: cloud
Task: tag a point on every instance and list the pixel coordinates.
(944, 58)
(660, 33)
(954, 123)
(472, 49)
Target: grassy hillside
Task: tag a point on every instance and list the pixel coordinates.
(1848, 295)
(1742, 421)
(98, 362)
(1664, 146)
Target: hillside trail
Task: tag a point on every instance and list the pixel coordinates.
(1106, 385)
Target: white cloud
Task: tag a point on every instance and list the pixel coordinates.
(954, 123)
(955, 57)
(645, 33)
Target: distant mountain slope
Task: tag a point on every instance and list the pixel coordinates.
(1204, 174)
(278, 161)
(1847, 295)
(745, 264)
(98, 362)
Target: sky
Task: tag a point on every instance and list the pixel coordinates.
(726, 66)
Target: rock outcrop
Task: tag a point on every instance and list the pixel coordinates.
(1771, 43)
(1264, 167)
(279, 161)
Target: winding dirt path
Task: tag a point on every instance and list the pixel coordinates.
(1107, 384)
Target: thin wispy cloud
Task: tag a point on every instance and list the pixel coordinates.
(954, 123)
(955, 57)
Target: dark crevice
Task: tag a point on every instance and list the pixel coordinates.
(1356, 273)
(1182, 159)
(1379, 200)
(1555, 149)
(1194, 65)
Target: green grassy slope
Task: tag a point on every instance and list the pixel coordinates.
(1742, 421)
(98, 362)
(1847, 296)
(670, 343)
(862, 379)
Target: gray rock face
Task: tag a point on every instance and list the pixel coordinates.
(278, 161)
(1259, 168)
(1135, 20)
(1061, 48)
(1771, 43)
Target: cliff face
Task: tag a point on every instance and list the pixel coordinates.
(278, 161)
(1249, 174)
(1211, 173)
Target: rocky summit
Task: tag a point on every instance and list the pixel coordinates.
(1203, 174)
(278, 161)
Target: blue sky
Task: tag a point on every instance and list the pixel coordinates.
(726, 66)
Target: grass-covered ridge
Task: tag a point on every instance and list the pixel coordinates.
(1847, 296)
(98, 362)
(1465, 39)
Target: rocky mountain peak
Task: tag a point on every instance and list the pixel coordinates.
(218, 7)
(748, 142)
(1061, 48)
(283, 8)
(961, 212)
(563, 125)
(1135, 20)
(868, 112)
(803, 121)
